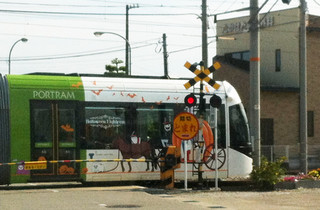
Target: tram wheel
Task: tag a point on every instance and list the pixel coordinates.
(209, 157)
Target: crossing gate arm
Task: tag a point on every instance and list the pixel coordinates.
(77, 161)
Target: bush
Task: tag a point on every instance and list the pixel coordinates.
(314, 174)
(268, 174)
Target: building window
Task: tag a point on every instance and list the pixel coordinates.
(236, 56)
(243, 55)
(246, 56)
(267, 131)
(239, 59)
(310, 125)
(278, 60)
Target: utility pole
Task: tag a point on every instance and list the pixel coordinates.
(255, 80)
(128, 65)
(204, 34)
(165, 55)
(303, 89)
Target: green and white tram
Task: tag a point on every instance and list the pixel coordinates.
(55, 118)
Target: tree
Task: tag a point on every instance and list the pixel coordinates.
(115, 68)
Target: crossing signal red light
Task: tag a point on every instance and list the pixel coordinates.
(190, 100)
(215, 101)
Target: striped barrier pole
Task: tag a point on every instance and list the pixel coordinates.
(169, 162)
(75, 161)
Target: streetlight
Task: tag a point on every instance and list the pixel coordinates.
(128, 7)
(9, 61)
(128, 53)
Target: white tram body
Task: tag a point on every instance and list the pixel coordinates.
(74, 120)
(141, 91)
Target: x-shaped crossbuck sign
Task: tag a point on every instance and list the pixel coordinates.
(202, 75)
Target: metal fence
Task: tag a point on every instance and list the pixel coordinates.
(292, 153)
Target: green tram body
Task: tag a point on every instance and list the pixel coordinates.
(45, 117)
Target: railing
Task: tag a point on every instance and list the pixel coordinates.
(292, 153)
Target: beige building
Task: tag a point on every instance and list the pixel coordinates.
(279, 52)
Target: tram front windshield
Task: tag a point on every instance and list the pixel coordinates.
(239, 131)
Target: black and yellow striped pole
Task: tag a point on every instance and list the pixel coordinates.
(169, 162)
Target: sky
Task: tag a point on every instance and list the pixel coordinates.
(60, 33)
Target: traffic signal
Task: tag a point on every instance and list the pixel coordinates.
(286, 1)
(215, 101)
(190, 100)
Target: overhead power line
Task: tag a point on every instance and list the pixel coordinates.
(120, 5)
(55, 5)
(316, 2)
(190, 48)
(92, 13)
(56, 57)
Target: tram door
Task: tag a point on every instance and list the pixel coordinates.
(53, 133)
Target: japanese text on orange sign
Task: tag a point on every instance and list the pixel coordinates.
(186, 126)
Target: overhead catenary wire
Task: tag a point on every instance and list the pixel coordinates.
(118, 4)
(30, 19)
(93, 13)
(55, 5)
(316, 2)
(68, 56)
(133, 22)
(56, 57)
(189, 48)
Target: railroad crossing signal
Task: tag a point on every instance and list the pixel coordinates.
(190, 100)
(215, 101)
(202, 75)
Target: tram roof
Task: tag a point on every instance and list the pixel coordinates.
(132, 83)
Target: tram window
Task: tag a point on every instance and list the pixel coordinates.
(132, 122)
(155, 124)
(239, 139)
(67, 125)
(103, 125)
(222, 126)
(42, 124)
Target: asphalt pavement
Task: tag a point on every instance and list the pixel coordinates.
(76, 196)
